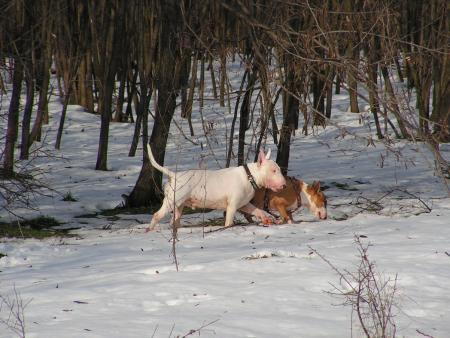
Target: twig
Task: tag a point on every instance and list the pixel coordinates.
(191, 332)
(423, 334)
(414, 196)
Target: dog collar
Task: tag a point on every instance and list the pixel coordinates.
(251, 178)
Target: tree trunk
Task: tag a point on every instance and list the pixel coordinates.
(233, 122)
(13, 118)
(223, 69)
(148, 188)
(106, 99)
(441, 76)
(337, 90)
(329, 89)
(213, 77)
(373, 58)
(290, 120)
(137, 132)
(27, 112)
(352, 54)
(353, 87)
(141, 113)
(89, 84)
(62, 119)
(190, 98)
(43, 101)
(244, 117)
(319, 92)
(81, 83)
(2, 84)
(106, 44)
(393, 101)
(119, 116)
(373, 96)
(131, 92)
(441, 101)
(187, 99)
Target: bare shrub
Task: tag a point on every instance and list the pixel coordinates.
(12, 313)
(370, 295)
(25, 185)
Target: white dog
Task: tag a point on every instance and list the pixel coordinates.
(227, 189)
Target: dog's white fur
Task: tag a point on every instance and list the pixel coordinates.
(225, 189)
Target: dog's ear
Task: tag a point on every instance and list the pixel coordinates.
(268, 154)
(261, 158)
(299, 184)
(316, 186)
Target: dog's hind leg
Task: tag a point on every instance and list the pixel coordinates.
(178, 211)
(157, 216)
(285, 216)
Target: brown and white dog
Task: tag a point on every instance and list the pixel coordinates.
(295, 195)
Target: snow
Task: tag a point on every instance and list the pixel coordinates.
(127, 284)
(114, 280)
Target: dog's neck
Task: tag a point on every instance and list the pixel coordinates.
(250, 177)
(253, 167)
(305, 198)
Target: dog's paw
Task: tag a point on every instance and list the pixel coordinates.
(267, 222)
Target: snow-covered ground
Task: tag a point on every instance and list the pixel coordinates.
(114, 280)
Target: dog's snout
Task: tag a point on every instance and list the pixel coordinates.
(320, 214)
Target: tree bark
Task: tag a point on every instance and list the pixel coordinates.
(319, 93)
(106, 44)
(244, 117)
(290, 121)
(233, 122)
(13, 118)
(62, 118)
(27, 112)
(43, 100)
(119, 115)
(329, 90)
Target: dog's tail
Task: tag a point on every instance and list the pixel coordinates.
(156, 165)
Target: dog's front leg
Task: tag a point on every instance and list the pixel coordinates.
(290, 220)
(229, 217)
(285, 215)
(261, 214)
